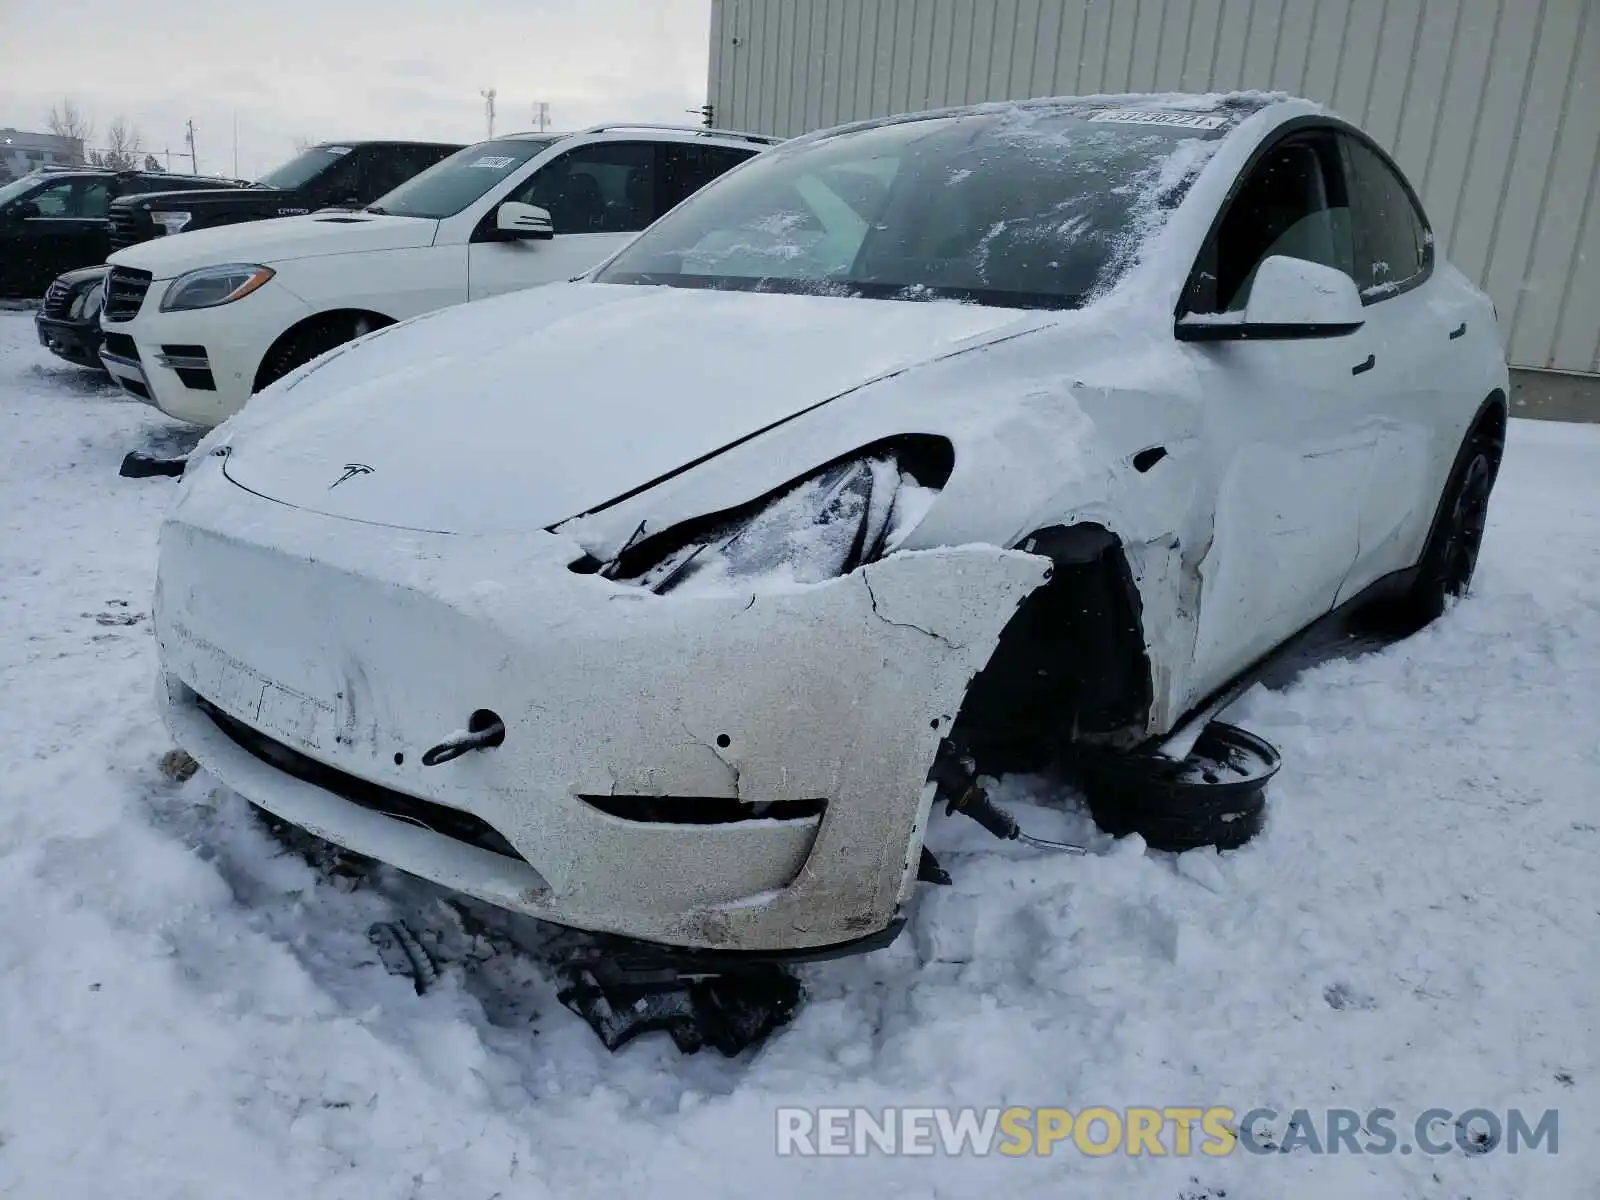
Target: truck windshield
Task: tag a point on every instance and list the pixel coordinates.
(302, 169)
(451, 184)
(1028, 207)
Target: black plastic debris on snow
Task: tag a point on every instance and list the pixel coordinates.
(620, 987)
(625, 993)
(140, 464)
(403, 954)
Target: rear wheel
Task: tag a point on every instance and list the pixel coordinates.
(310, 340)
(1451, 555)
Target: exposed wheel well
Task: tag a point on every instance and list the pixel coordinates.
(315, 330)
(1071, 662)
(1491, 420)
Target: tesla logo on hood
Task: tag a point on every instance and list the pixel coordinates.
(351, 470)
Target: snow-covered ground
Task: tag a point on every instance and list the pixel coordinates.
(188, 1010)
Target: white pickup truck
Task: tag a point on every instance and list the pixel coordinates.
(196, 323)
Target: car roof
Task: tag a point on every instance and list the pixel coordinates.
(87, 169)
(1221, 111)
(354, 142)
(665, 133)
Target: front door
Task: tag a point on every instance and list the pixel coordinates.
(68, 232)
(598, 196)
(1290, 448)
(1417, 318)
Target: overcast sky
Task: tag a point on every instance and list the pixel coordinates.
(329, 69)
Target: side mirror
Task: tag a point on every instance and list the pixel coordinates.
(516, 222)
(1289, 298)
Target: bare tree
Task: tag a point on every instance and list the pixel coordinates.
(302, 144)
(124, 145)
(68, 121)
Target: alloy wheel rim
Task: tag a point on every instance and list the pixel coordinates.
(1467, 519)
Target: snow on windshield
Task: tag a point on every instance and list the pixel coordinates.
(1026, 206)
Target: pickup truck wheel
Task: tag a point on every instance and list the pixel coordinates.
(304, 343)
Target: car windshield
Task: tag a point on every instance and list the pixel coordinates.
(17, 187)
(451, 184)
(302, 169)
(1029, 207)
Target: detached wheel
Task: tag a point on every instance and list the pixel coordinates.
(1217, 796)
(1451, 555)
(309, 341)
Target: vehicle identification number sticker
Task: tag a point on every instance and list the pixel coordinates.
(1132, 116)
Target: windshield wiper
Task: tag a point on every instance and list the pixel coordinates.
(382, 212)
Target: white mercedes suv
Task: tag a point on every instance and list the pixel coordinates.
(195, 324)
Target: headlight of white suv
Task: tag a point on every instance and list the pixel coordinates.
(172, 222)
(210, 286)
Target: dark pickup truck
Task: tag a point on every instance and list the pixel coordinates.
(332, 175)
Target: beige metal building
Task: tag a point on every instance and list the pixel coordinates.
(1491, 106)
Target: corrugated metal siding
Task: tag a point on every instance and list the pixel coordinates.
(1491, 106)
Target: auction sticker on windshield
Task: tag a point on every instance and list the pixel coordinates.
(493, 162)
(1130, 116)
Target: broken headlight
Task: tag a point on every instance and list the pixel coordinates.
(850, 512)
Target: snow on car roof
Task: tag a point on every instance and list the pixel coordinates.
(1230, 108)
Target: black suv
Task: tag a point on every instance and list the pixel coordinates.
(52, 221)
(332, 175)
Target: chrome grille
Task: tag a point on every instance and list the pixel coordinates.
(57, 300)
(125, 291)
(125, 229)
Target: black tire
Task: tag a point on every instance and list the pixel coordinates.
(1450, 558)
(307, 343)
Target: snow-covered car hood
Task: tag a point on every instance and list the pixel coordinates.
(279, 240)
(516, 413)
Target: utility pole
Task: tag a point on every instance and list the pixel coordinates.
(706, 114)
(541, 115)
(194, 159)
(236, 143)
(488, 95)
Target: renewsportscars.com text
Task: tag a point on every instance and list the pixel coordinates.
(1178, 1131)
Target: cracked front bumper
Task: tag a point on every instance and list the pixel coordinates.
(360, 646)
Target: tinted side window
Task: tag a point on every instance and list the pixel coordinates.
(382, 169)
(137, 187)
(73, 198)
(95, 199)
(1390, 238)
(1293, 203)
(336, 184)
(419, 158)
(607, 187)
(687, 169)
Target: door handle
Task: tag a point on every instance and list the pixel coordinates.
(1362, 367)
(1459, 331)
